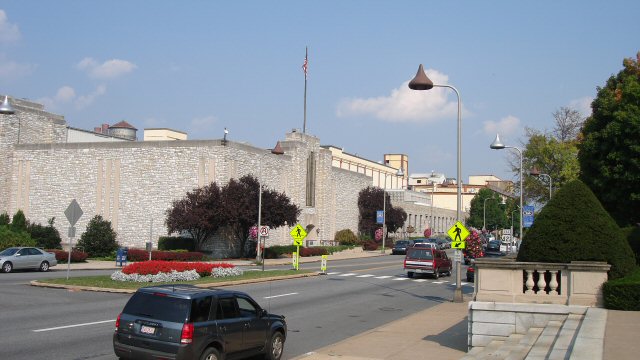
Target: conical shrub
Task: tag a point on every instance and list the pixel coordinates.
(574, 226)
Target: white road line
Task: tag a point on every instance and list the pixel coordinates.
(348, 274)
(420, 280)
(75, 325)
(400, 279)
(333, 273)
(277, 296)
(364, 276)
(439, 282)
(383, 277)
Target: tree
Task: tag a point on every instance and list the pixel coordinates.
(369, 202)
(568, 124)
(46, 237)
(495, 212)
(574, 226)
(4, 219)
(19, 222)
(99, 239)
(609, 154)
(239, 199)
(199, 214)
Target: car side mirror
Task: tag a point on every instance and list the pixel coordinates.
(263, 313)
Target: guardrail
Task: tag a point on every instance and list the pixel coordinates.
(507, 280)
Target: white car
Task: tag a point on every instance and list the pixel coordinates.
(15, 258)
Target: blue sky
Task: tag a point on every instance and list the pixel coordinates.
(201, 66)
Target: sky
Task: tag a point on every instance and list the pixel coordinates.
(202, 66)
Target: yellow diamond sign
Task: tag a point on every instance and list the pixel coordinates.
(298, 234)
(458, 233)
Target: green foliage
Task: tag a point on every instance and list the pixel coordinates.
(609, 154)
(19, 221)
(4, 219)
(346, 237)
(492, 209)
(46, 237)
(274, 252)
(176, 243)
(99, 239)
(624, 293)
(632, 233)
(372, 199)
(10, 238)
(574, 226)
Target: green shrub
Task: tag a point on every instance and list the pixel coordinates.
(99, 239)
(176, 243)
(19, 221)
(10, 238)
(4, 219)
(573, 226)
(632, 234)
(274, 252)
(346, 237)
(46, 237)
(624, 293)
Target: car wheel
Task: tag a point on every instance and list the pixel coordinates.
(210, 354)
(7, 267)
(276, 346)
(409, 274)
(436, 274)
(44, 266)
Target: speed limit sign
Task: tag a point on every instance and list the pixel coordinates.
(264, 231)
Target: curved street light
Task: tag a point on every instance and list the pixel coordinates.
(422, 82)
(6, 108)
(535, 172)
(498, 145)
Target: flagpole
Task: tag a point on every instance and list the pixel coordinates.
(304, 125)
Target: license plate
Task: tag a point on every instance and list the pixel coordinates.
(147, 330)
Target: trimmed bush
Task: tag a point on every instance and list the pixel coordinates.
(574, 226)
(4, 219)
(9, 238)
(143, 255)
(63, 256)
(370, 245)
(623, 294)
(46, 237)
(176, 243)
(632, 234)
(313, 251)
(19, 221)
(346, 237)
(99, 240)
(274, 252)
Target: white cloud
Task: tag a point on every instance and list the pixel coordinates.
(506, 126)
(107, 70)
(65, 94)
(582, 105)
(12, 69)
(8, 32)
(202, 125)
(86, 100)
(406, 105)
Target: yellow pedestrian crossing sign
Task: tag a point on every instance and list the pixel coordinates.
(298, 234)
(458, 233)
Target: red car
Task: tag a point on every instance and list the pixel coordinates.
(427, 260)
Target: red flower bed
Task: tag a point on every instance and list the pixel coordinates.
(142, 255)
(154, 266)
(63, 256)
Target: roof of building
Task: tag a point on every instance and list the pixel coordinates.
(123, 124)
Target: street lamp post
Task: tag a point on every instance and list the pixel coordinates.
(535, 172)
(498, 145)
(400, 172)
(422, 82)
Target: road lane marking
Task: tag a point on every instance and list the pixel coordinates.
(420, 280)
(439, 282)
(383, 277)
(277, 296)
(364, 276)
(348, 274)
(75, 325)
(333, 273)
(400, 278)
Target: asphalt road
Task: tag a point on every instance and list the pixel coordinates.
(355, 296)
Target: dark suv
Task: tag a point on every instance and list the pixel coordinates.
(187, 322)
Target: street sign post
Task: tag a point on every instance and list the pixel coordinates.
(458, 233)
(298, 234)
(73, 213)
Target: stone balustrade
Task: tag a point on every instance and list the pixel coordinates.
(507, 280)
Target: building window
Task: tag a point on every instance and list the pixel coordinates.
(419, 181)
(311, 180)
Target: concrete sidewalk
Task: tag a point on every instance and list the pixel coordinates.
(439, 332)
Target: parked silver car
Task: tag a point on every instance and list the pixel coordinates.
(15, 258)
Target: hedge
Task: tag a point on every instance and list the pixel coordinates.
(63, 256)
(624, 293)
(176, 243)
(143, 255)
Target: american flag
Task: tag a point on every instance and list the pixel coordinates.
(305, 66)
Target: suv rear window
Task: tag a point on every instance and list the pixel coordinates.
(158, 306)
(422, 254)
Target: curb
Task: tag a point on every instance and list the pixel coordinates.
(205, 285)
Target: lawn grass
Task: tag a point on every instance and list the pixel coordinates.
(105, 281)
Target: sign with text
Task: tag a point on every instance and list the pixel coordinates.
(527, 216)
(379, 217)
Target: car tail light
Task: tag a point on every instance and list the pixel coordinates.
(187, 334)
(405, 262)
(118, 322)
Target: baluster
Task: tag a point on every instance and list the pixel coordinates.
(542, 284)
(553, 284)
(529, 284)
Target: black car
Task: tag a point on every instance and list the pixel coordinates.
(400, 247)
(187, 322)
(493, 248)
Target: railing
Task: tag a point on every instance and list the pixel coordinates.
(311, 243)
(506, 280)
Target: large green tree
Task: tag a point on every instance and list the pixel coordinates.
(99, 239)
(492, 209)
(609, 153)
